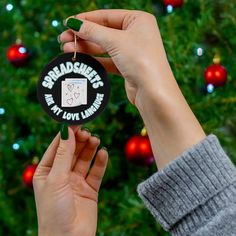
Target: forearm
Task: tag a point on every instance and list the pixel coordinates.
(170, 123)
(196, 193)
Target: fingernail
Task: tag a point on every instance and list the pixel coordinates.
(74, 24)
(58, 39)
(96, 136)
(61, 46)
(85, 129)
(104, 148)
(64, 132)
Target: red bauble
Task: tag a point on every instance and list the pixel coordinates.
(28, 175)
(138, 150)
(174, 3)
(18, 55)
(216, 75)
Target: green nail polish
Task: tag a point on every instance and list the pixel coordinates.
(64, 132)
(85, 129)
(96, 135)
(61, 46)
(74, 24)
(58, 39)
(104, 148)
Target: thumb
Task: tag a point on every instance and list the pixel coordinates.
(93, 32)
(65, 152)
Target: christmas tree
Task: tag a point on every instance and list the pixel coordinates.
(200, 43)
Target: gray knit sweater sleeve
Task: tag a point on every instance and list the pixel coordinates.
(196, 193)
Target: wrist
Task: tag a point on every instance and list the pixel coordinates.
(154, 95)
(171, 125)
(156, 81)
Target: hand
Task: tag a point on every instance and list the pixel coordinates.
(133, 42)
(66, 192)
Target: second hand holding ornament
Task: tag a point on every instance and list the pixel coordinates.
(73, 88)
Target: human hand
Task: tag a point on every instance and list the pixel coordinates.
(66, 192)
(131, 39)
(133, 42)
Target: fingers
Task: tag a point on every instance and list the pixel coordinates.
(93, 49)
(66, 36)
(64, 154)
(85, 156)
(81, 137)
(84, 47)
(109, 18)
(99, 26)
(98, 34)
(75, 127)
(108, 64)
(97, 171)
(49, 155)
(93, 32)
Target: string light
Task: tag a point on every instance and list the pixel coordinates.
(22, 50)
(16, 146)
(210, 88)
(200, 51)
(2, 111)
(55, 23)
(36, 34)
(9, 7)
(29, 232)
(169, 8)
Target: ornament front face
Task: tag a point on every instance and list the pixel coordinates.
(73, 91)
(216, 75)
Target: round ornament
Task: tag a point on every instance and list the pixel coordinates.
(73, 90)
(28, 175)
(138, 150)
(18, 55)
(215, 75)
(173, 3)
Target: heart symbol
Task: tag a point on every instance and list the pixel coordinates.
(69, 101)
(70, 87)
(76, 95)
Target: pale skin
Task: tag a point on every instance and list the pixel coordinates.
(134, 45)
(66, 194)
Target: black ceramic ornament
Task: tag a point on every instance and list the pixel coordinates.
(73, 90)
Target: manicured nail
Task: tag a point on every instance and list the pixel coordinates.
(61, 46)
(85, 129)
(96, 136)
(58, 39)
(64, 22)
(74, 24)
(104, 148)
(64, 132)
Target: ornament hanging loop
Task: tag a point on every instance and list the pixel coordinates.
(75, 48)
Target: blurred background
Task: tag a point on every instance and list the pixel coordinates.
(200, 41)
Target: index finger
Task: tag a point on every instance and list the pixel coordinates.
(49, 155)
(110, 18)
(113, 18)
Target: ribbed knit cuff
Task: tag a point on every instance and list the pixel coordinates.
(192, 188)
